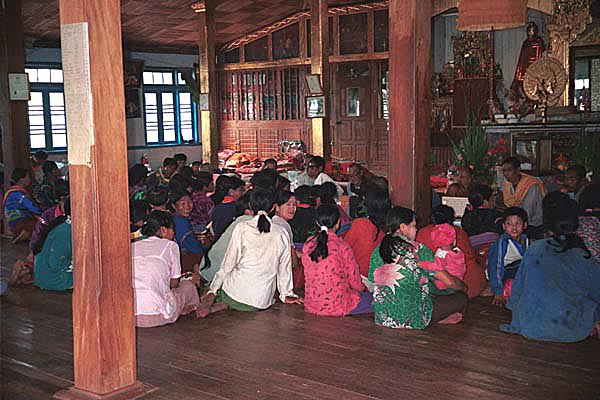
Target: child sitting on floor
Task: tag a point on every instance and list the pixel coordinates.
(332, 281)
(448, 257)
(257, 263)
(506, 253)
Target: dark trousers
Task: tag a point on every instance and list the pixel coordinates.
(446, 305)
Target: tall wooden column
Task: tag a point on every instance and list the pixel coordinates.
(319, 64)
(208, 80)
(13, 114)
(410, 145)
(103, 314)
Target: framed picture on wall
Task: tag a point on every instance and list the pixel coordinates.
(315, 106)
(313, 81)
(132, 73)
(132, 103)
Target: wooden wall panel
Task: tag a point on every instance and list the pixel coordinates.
(248, 141)
(290, 134)
(229, 139)
(268, 143)
(379, 146)
(261, 138)
(347, 151)
(361, 152)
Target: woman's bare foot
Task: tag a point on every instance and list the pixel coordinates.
(452, 319)
(206, 309)
(203, 310)
(21, 274)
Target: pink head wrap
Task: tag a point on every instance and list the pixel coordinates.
(443, 235)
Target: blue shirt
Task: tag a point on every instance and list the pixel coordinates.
(18, 206)
(184, 236)
(555, 296)
(496, 259)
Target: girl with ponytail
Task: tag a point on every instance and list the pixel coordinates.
(257, 262)
(333, 285)
(556, 293)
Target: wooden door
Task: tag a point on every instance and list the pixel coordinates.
(352, 102)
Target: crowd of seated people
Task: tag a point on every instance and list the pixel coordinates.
(202, 245)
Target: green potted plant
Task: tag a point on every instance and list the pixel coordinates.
(473, 152)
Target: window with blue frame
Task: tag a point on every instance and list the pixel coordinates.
(169, 112)
(46, 109)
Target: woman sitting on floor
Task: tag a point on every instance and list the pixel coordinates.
(160, 293)
(22, 273)
(366, 233)
(191, 248)
(256, 264)
(53, 266)
(19, 208)
(556, 293)
(332, 281)
(401, 298)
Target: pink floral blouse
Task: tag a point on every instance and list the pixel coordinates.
(331, 284)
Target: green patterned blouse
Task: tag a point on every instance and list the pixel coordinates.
(401, 297)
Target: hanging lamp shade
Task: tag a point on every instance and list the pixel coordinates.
(483, 15)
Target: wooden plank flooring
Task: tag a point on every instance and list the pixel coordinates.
(284, 353)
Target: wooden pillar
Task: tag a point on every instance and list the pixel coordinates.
(103, 314)
(319, 64)
(208, 80)
(14, 125)
(410, 43)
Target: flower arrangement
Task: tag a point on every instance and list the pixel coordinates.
(498, 152)
(473, 152)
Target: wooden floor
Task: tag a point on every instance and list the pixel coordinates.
(284, 353)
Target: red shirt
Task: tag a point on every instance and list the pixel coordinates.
(332, 284)
(363, 237)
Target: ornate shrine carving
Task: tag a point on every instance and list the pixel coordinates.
(569, 19)
(545, 82)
